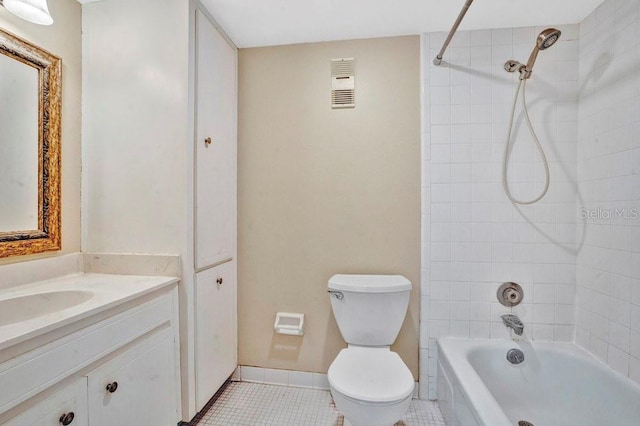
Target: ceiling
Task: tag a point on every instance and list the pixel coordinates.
(252, 23)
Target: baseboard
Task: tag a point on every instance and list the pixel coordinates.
(200, 414)
(293, 378)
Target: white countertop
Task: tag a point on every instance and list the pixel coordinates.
(102, 291)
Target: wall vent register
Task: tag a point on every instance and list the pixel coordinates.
(343, 83)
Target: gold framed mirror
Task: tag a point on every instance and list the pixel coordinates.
(30, 158)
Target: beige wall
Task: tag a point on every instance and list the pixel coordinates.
(63, 39)
(324, 191)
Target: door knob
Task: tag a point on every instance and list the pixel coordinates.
(112, 387)
(207, 142)
(67, 418)
(219, 281)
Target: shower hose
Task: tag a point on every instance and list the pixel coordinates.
(522, 86)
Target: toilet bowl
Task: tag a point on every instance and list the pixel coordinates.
(370, 384)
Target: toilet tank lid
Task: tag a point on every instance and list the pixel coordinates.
(369, 283)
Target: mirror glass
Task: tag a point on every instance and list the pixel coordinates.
(30, 120)
(18, 145)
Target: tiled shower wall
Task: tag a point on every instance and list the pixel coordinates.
(473, 237)
(608, 263)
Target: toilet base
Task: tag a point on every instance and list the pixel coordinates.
(357, 413)
(346, 422)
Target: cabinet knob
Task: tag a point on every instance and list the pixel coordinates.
(112, 387)
(67, 418)
(219, 281)
(207, 142)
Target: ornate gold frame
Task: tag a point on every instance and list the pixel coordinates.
(47, 237)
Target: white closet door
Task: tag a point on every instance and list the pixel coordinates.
(216, 145)
(216, 329)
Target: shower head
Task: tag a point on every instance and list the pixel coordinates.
(545, 40)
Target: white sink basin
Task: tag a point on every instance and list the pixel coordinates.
(34, 309)
(23, 308)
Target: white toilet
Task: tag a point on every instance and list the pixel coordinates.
(370, 385)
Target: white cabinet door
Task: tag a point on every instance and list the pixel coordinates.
(138, 387)
(216, 330)
(216, 145)
(67, 406)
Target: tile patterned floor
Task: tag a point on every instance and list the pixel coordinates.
(253, 404)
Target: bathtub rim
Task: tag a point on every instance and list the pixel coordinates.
(483, 405)
(455, 351)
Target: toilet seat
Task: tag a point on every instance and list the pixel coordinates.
(371, 374)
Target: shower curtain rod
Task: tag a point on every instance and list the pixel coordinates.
(438, 60)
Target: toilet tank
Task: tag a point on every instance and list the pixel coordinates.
(369, 309)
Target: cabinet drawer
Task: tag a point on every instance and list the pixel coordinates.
(37, 370)
(70, 401)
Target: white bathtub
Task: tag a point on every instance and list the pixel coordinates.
(558, 384)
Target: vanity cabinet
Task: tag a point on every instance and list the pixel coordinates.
(121, 368)
(136, 387)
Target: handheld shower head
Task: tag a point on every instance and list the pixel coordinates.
(545, 40)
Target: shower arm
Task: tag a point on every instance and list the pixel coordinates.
(438, 59)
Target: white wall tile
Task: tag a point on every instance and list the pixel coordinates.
(618, 360)
(252, 374)
(619, 336)
(459, 329)
(544, 293)
(320, 381)
(543, 332)
(499, 331)
(459, 311)
(479, 329)
(479, 311)
(564, 333)
(634, 369)
(277, 377)
(301, 379)
(607, 175)
(480, 38)
(599, 348)
(580, 277)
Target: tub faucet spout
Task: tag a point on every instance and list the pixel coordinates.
(513, 322)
